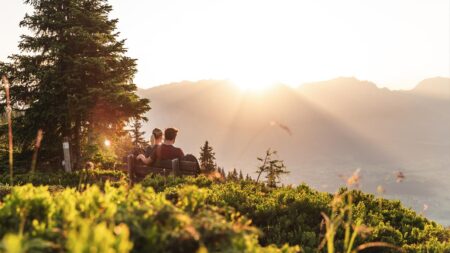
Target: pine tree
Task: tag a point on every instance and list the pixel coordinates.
(73, 78)
(273, 168)
(233, 175)
(136, 134)
(222, 172)
(124, 146)
(207, 158)
(241, 176)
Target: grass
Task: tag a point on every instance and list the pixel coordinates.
(10, 134)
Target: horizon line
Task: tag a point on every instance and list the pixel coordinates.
(271, 84)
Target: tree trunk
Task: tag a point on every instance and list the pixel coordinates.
(257, 179)
(262, 168)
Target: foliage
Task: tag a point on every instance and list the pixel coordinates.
(342, 217)
(136, 220)
(233, 175)
(221, 171)
(72, 78)
(293, 215)
(136, 134)
(160, 183)
(207, 158)
(63, 179)
(272, 167)
(284, 215)
(198, 213)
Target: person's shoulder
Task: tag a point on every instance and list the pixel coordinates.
(166, 147)
(175, 148)
(151, 148)
(180, 151)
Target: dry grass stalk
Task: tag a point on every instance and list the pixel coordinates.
(36, 149)
(10, 135)
(342, 216)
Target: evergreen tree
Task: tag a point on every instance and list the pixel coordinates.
(222, 172)
(207, 158)
(233, 175)
(136, 134)
(72, 78)
(273, 168)
(241, 176)
(124, 144)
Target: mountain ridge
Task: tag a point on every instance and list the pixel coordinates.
(424, 84)
(335, 129)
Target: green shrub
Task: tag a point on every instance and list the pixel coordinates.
(293, 214)
(189, 214)
(64, 179)
(160, 183)
(117, 219)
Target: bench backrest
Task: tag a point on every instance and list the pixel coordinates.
(178, 167)
(188, 168)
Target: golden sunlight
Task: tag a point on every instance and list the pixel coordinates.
(249, 83)
(107, 143)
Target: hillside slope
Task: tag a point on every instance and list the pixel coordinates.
(200, 214)
(337, 126)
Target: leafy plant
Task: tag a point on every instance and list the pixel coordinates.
(207, 158)
(117, 219)
(273, 168)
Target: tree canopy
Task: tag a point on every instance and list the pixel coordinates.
(207, 158)
(72, 78)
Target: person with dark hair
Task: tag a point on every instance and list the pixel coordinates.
(165, 151)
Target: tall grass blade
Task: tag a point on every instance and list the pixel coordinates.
(10, 135)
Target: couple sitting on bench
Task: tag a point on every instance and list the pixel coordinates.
(159, 149)
(161, 157)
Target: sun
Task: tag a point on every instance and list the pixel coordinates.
(252, 83)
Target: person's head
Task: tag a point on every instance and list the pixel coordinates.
(157, 137)
(170, 134)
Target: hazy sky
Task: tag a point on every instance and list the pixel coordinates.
(393, 43)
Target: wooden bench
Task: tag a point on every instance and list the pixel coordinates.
(175, 167)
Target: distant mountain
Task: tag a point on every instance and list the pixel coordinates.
(438, 87)
(323, 131)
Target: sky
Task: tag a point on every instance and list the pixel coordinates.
(395, 44)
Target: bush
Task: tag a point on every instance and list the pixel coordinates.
(293, 214)
(119, 220)
(186, 214)
(160, 183)
(73, 179)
